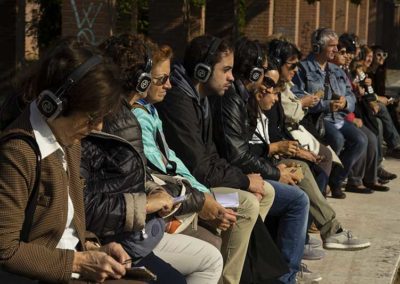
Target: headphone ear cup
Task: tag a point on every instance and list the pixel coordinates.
(316, 48)
(202, 72)
(255, 74)
(143, 81)
(49, 105)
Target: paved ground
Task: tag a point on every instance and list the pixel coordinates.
(374, 217)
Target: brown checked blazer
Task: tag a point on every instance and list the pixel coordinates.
(38, 259)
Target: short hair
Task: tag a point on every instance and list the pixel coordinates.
(322, 35)
(128, 51)
(99, 90)
(347, 41)
(197, 51)
(246, 54)
(163, 53)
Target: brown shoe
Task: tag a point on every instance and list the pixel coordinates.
(359, 189)
(336, 192)
(377, 187)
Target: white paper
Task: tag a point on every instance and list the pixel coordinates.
(228, 200)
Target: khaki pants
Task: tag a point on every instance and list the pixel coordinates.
(323, 214)
(235, 240)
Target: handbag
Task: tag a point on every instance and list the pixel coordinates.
(141, 243)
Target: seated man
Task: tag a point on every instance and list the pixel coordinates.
(317, 74)
(185, 112)
(121, 202)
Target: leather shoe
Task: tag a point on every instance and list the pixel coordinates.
(384, 174)
(377, 187)
(337, 193)
(358, 189)
(383, 181)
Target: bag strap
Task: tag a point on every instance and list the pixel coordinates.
(32, 201)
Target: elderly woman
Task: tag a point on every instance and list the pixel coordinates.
(72, 90)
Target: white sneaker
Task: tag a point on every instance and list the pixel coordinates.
(345, 241)
(305, 276)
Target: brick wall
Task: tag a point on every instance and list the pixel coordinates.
(89, 20)
(257, 19)
(166, 18)
(306, 25)
(219, 18)
(284, 18)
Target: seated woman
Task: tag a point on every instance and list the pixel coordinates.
(122, 200)
(73, 88)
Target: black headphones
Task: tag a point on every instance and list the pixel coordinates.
(142, 77)
(276, 54)
(203, 70)
(50, 104)
(256, 70)
(317, 46)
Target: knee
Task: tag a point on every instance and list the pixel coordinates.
(269, 195)
(303, 201)
(337, 143)
(361, 140)
(212, 260)
(249, 205)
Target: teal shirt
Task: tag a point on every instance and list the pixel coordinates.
(150, 122)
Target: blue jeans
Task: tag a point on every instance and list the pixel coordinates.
(291, 205)
(390, 134)
(350, 143)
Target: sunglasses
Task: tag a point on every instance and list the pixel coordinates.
(268, 82)
(161, 80)
(384, 55)
(292, 66)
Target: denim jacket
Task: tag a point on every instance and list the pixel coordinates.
(150, 123)
(311, 78)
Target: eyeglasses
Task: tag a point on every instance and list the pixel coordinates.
(384, 55)
(268, 82)
(161, 80)
(294, 65)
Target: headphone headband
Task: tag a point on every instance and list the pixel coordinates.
(212, 50)
(52, 104)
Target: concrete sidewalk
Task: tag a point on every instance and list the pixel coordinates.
(375, 217)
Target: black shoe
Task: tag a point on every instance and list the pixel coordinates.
(356, 189)
(337, 193)
(383, 181)
(385, 175)
(394, 153)
(377, 187)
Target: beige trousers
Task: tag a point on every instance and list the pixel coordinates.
(236, 240)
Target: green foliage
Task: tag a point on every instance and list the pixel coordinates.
(198, 3)
(241, 14)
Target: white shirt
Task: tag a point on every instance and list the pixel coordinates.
(48, 145)
(261, 130)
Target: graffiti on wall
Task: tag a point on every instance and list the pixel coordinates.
(85, 17)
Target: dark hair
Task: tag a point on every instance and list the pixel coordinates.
(197, 50)
(280, 51)
(98, 91)
(128, 51)
(246, 53)
(347, 41)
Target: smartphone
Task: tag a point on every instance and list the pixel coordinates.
(140, 273)
(180, 199)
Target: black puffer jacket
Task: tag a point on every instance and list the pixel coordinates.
(116, 179)
(232, 133)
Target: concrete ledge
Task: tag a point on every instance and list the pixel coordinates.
(375, 217)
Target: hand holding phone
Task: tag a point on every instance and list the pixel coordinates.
(140, 273)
